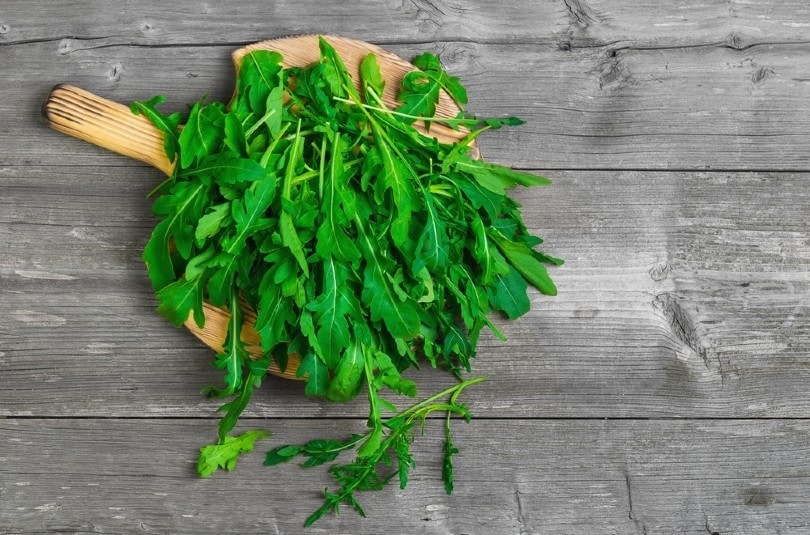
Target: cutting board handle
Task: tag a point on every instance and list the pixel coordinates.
(110, 125)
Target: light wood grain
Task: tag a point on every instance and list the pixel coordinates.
(705, 108)
(684, 294)
(663, 391)
(569, 23)
(693, 477)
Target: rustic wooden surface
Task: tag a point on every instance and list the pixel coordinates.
(663, 391)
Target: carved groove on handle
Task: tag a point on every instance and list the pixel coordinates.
(107, 124)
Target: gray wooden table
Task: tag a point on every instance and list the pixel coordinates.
(663, 391)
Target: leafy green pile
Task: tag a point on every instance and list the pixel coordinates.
(362, 245)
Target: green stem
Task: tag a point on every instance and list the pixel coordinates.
(250, 131)
(455, 390)
(450, 121)
(272, 146)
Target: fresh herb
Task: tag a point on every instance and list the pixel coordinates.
(224, 454)
(362, 245)
(372, 468)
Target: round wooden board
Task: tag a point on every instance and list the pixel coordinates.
(113, 126)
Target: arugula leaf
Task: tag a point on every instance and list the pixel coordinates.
(316, 373)
(421, 89)
(234, 355)
(401, 317)
(332, 308)
(497, 178)
(337, 208)
(371, 78)
(166, 124)
(182, 207)
(258, 75)
(211, 223)
(508, 294)
(179, 298)
(524, 261)
(203, 130)
(432, 249)
(448, 451)
(227, 168)
(225, 455)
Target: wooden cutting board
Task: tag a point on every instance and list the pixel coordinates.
(113, 126)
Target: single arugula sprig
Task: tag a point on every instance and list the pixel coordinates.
(360, 244)
(372, 468)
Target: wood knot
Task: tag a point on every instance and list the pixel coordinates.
(660, 271)
(64, 47)
(761, 73)
(611, 71)
(680, 323)
(115, 72)
(581, 14)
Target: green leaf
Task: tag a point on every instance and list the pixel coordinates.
(498, 178)
(182, 207)
(371, 76)
(401, 317)
(234, 408)
(486, 254)
(249, 213)
(372, 443)
(234, 357)
(349, 375)
(274, 315)
(166, 124)
(405, 460)
(419, 96)
(203, 131)
(200, 264)
(321, 451)
(282, 454)
(316, 373)
(178, 299)
(258, 74)
(225, 454)
(448, 451)
(427, 61)
(275, 101)
(227, 168)
(398, 178)
(235, 138)
(389, 375)
(289, 234)
(524, 261)
(482, 198)
(432, 66)
(508, 294)
(332, 309)
(210, 224)
(433, 247)
(335, 72)
(337, 206)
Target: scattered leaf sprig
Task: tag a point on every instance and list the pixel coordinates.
(372, 469)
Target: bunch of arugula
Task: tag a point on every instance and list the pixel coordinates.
(361, 244)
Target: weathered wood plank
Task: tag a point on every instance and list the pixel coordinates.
(688, 108)
(568, 23)
(684, 294)
(683, 305)
(512, 477)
